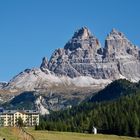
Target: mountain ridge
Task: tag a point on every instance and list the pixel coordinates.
(80, 68)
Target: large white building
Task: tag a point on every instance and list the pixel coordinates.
(10, 117)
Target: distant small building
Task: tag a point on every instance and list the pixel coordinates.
(10, 117)
(94, 130)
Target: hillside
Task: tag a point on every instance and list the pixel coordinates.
(121, 117)
(115, 90)
(54, 101)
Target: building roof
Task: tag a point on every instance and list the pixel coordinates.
(21, 111)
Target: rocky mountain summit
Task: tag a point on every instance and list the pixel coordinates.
(78, 56)
(83, 56)
(82, 67)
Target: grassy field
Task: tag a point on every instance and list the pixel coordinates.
(10, 133)
(49, 135)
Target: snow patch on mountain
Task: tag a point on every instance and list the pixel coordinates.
(35, 79)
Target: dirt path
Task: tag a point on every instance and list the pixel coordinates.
(21, 134)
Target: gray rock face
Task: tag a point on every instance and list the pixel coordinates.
(118, 46)
(79, 56)
(125, 56)
(44, 65)
(83, 56)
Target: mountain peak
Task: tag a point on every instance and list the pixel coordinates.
(83, 39)
(115, 35)
(115, 31)
(82, 33)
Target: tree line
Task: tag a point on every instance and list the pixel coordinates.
(121, 117)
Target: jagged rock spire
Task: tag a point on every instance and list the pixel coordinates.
(115, 35)
(83, 39)
(118, 46)
(44, 65)
(82, 33)
(44, 62)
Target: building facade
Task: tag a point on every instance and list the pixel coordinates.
(11, 117)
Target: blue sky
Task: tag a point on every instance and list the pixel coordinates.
(32, 29)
